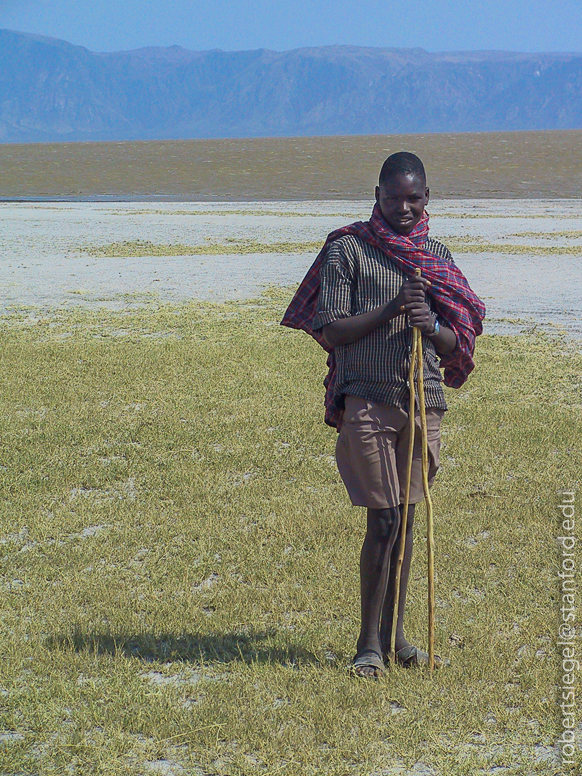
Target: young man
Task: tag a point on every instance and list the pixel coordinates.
(359, 300)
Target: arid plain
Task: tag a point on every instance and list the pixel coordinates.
(178, 560)
(466, 165)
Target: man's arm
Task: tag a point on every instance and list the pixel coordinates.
(411, 300)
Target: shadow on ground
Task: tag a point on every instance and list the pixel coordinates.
(248, 647)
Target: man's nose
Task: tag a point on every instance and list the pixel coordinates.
(403, 206)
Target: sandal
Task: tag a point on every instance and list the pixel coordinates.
(368, 658)
(412, 657)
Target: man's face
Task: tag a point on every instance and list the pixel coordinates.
(402, 199)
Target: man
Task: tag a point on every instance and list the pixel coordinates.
(359, 300)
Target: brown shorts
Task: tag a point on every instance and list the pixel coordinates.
(372, 450)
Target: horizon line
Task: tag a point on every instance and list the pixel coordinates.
(298, 48)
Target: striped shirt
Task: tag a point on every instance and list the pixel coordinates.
(355, 278)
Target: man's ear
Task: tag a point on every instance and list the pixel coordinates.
(427, 194)
(377, 193)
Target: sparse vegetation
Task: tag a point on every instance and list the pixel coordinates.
(240, 212)
(128, 248)
(573, 234)
(147, 248)
(461, 246)
(502, 215)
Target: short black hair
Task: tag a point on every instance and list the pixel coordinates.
(402, 163)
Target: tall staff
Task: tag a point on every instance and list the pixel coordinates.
(416, 360)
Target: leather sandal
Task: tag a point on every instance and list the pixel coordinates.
(412, 657)
(368, 658)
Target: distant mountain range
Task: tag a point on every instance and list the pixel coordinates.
(51, 90)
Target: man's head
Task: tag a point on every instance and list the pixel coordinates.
(402, 193)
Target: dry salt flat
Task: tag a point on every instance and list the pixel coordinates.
(523, 257)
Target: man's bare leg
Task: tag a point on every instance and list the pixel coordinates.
(378, 547)
(388, 607)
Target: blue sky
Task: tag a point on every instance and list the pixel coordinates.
(436, 25)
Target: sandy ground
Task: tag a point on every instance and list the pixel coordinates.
(42, 263)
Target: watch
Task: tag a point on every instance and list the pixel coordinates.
(436, 329)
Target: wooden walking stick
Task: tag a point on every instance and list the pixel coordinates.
(428, 501)
(416, 357)
(404, 520)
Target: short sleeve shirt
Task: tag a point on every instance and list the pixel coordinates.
(355, 278)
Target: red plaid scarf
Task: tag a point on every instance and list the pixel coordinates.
(452, 296)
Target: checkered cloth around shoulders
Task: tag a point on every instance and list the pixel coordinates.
(355, 278)
(454, 301)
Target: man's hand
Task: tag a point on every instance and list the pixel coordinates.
(411, 300)
(420, 316)
(412, 293)
(414, 305)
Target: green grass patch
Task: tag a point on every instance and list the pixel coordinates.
(570, 234)
(129, 248)
(179, 560)
(240, 212)
(460, 246)
(133, 248)
(521, 216)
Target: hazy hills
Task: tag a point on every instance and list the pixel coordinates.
(53, 90)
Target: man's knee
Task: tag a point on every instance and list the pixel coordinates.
(384, 523)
